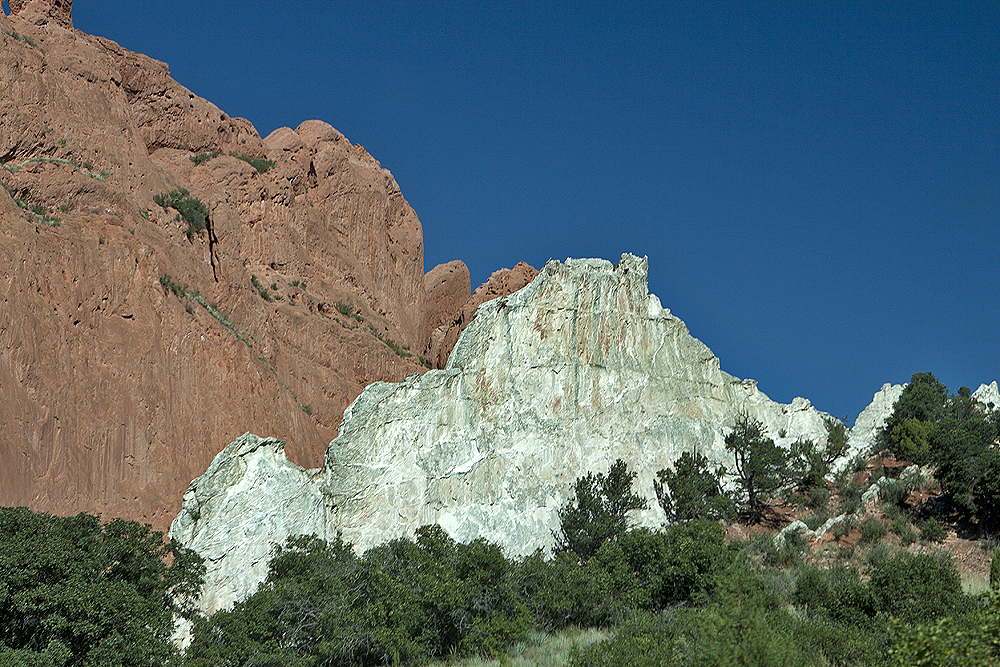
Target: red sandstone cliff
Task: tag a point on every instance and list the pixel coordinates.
(114, 391)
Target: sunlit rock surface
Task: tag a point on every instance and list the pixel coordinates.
(250, 498)
(580, 368)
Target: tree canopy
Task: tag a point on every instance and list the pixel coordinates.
(74, 591)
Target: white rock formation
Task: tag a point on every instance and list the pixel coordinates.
(988, 395)
(868, 423)
(250, 498)
(578, 369)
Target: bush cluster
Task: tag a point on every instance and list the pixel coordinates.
(190, 209)
(74, 591)
(409, 601)
(957, 436)
(260, 164)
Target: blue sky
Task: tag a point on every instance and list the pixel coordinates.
(815, 184)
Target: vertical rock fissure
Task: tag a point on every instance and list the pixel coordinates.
(213, 240)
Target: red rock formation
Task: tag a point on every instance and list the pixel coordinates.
(447, 287)
(114, 391)
(41, 12)
(500, 283)
(131, 354)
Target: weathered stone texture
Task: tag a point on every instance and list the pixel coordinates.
(563, 377)
(113, 395)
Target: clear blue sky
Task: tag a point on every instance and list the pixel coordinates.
(815, 183)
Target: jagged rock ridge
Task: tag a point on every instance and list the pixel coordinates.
(579, 368)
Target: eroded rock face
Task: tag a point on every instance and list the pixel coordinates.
(447, 287)
(870, 422)
(579, 368)
(41, 12)
(988, 395)
(561, 378)
(444, 336)
(251, 477)
(115, 390)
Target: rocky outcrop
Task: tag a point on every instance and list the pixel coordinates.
(870, 422)
(41, 12)
(447, 287)
(116, 387)
(250, 477)
(576, 370)
(443, 338)
(988, 395)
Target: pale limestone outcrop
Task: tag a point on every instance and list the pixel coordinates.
(250, 498)
(869, 422)
(578, 369)
(988, 395)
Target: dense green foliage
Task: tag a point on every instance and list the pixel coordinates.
(808, 463)
(408, 601)
(191, 209)
(692, 490)
(759, 465)
(76, 592)
(73, 592)
(598, 512)
(957, 436)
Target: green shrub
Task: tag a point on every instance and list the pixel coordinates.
(76, 591)
(902, 527)
(403, 354)
(895, 492)
(790, 552)
(598, 511)
(191, 209)
(850, 497)
(872, 530)
(260, 164)
(932, 531)
(844, 528)
(204, 157)
(753, 631)
(812, 590)
(27, 40)
(995, 569)
(179, 291)
(692, 490)
(261, 289)
(918, 589)
(403, 602)
(814, 521)
(948, 641)
(683, 564)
